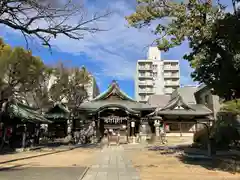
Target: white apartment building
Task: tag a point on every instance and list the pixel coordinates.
(156, 76)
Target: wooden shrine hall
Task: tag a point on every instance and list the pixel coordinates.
(115, 110)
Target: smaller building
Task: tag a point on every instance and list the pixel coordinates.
(204, 95)
(182, 112)
(59, 115)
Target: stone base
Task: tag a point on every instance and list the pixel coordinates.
(143, 138)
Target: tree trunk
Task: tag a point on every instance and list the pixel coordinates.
(4, 129)
(3, 138)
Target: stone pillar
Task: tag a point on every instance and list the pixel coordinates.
(69, 130)
(157, 128)
(94, 138)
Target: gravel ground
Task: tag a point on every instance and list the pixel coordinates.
(67, 165)
(152, 165)
(42, 173)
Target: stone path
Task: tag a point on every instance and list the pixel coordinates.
(112, 164)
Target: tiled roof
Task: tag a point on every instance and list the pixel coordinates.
(26, 114)
(187, 94)
(94, 105)
(183, 103)
(158, 101)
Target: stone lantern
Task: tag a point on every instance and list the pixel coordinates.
(157, 123)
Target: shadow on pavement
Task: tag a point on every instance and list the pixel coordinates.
(231, 166)
(12, 168)
(193, 156)
(40, 173)
(65, 149)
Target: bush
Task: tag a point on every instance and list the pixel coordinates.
(201, 137)
(226, 130)
(232, 106)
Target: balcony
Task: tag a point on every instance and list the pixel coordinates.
(171, 76)
(171, 68)
(145, 83)
(172, 83)
(145, 68)
(145, 76)
(145, 91)
(168, 90)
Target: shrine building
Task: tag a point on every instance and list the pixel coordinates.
(113, 109)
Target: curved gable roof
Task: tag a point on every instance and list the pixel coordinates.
(113, 89)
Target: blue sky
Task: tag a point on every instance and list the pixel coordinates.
(110, 54)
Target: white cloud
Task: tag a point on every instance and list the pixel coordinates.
(117, 50)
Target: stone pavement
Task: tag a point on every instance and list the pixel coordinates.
(112, 164)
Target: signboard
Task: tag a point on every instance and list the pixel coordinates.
(114, 119)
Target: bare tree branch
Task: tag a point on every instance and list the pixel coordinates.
(46, 19)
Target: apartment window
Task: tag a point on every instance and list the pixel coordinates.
(141, 74)
(155, 74)
(174, 64)
(154, 66)
(167, 65)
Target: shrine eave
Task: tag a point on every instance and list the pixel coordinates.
(130, 106)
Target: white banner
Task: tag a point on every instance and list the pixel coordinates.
(114, 119)
(132, 124)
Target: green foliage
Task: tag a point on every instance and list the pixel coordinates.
(231, 106)
(201, 137)
(216, 59)
(58, 90)
(70, 84)
(77, 86)
(213, 36)
(179, 20)
(20, 71)
(225, 132)
(26, 78)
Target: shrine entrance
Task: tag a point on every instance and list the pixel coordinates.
(115, 110)
(115, 121)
